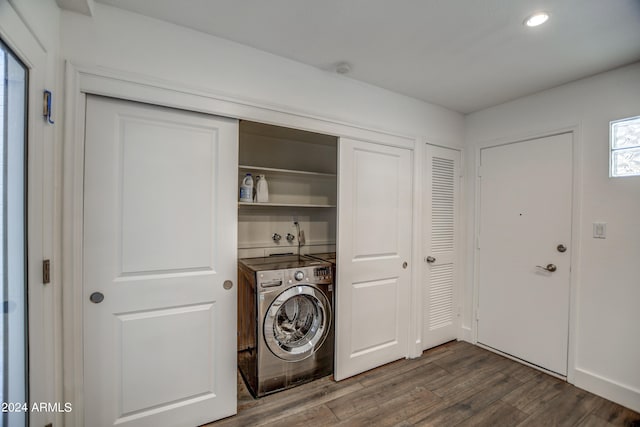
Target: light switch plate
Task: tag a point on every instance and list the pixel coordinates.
(599, 230)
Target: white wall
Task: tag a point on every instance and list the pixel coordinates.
(607, 348)
(120, 40)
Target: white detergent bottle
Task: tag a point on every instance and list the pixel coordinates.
(262, 190)
(246, 189)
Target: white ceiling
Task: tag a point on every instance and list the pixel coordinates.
(462, 54)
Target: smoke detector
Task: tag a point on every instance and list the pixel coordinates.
(343, 67)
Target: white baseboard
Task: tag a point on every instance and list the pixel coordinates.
(619, 393)
(466, 334)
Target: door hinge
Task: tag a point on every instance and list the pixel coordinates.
(46, 272)
(478, 313)
(479, 171)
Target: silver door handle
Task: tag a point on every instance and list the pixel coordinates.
(550, 267)
(430, 259)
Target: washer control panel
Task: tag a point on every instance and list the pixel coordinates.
(317, 275)
(322, 273)
(276, 278)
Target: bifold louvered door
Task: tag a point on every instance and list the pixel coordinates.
(441, 198)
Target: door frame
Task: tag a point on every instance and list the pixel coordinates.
(80, 81)
(576, 185)
(44, 356)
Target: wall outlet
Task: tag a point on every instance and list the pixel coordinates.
(599, 230)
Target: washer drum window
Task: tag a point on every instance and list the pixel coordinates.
(297, 323)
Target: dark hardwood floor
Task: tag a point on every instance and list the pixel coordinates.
(456, 384)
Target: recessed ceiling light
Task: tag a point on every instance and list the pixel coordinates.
(536, 19)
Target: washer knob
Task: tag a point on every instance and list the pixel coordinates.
(298, 275)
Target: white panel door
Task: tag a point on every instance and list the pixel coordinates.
(374, 241)
(159, 241)
(525, 214)
(441, 247)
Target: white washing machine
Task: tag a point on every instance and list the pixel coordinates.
(285, 322)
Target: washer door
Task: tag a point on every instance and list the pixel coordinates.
(297, 322)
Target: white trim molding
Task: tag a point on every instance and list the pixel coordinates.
(612, 390)
(134, 87)
(417, 272)
(466, 334)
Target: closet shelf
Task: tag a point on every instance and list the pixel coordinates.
(286, 171)
(285, 205)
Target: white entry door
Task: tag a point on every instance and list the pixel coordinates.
(159, 243)
(525, 250)
(374, 252)
(441, 247)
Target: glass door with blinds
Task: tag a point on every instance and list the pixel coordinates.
(13, 323)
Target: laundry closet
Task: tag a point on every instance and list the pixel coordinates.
(327, 195)
(301, 171)
(349, 195)
(287, 183)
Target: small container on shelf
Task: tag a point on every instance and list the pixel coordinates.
(262, 190)
(246, 189)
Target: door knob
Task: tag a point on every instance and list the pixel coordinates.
(550, 267)
(430, 259)
(96, 297)
(405, 264)
(228, 284)
(561, 248)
